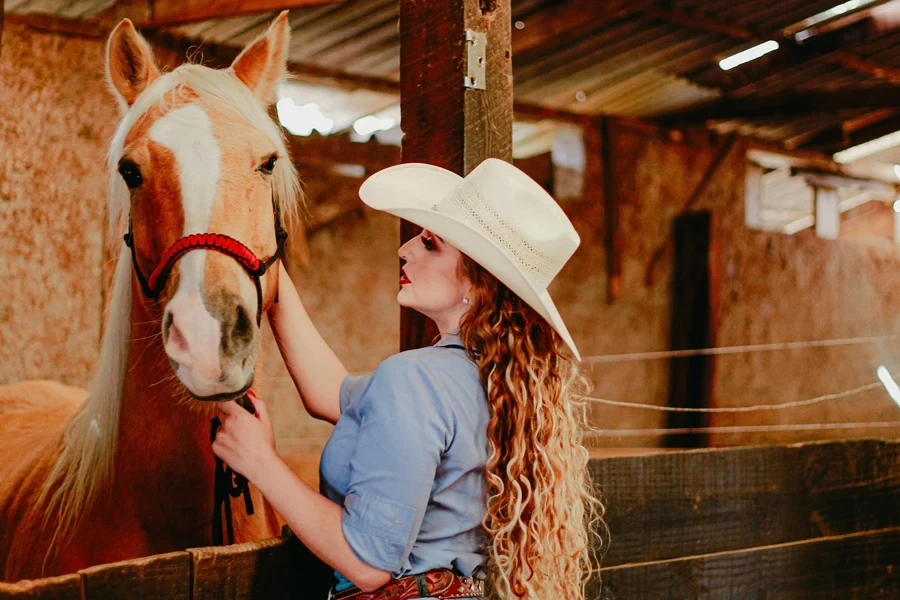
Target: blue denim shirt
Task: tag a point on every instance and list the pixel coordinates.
(406, 461)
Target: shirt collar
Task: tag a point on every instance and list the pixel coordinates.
(450, 339)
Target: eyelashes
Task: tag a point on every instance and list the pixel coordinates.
(428, 242)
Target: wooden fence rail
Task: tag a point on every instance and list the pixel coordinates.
(798, 522)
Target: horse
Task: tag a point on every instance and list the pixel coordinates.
(201, 180)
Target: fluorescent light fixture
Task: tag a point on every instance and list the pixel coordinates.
(889, 384)
(302, 120)
(867, 149)
(747, 55)
(370, 124)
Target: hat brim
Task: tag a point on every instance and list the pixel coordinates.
(409, 191)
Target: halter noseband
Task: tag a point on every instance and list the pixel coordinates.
(227, 483)
(152, 286)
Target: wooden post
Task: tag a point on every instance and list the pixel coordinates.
(691, 378)
(446, 123)
(1, 27)
(599, 186)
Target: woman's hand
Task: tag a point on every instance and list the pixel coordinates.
(245, 442)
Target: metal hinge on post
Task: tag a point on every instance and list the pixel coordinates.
(476, 48)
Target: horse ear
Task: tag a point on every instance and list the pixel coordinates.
(263, 62)
(130, 66)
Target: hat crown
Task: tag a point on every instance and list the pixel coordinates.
(518, 215)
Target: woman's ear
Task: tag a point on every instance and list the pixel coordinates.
(264, 61)
(130, 67)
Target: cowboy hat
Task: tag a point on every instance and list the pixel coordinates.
(496, 215)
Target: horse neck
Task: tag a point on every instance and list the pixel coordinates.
(163, 440)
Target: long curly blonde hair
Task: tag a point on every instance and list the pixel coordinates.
(543, 516)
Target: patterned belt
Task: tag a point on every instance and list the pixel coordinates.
(439, 583)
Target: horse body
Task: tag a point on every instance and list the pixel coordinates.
(126, 469)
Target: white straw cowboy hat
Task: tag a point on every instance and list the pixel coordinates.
(497, 215)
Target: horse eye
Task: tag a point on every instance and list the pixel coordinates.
(268, 166)
(131, 173)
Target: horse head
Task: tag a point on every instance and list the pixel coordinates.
(203, 179)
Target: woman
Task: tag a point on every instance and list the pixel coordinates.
(463, 459)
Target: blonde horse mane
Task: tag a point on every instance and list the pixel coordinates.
(84, 467)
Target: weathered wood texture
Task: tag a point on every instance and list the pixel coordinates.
(857, 566)
(65, 587)
(681, 504)
(445, 123)
(161, 577)
(263, 570)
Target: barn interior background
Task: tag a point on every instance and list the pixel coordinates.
(750, 206)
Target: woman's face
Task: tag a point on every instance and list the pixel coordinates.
(431, 282)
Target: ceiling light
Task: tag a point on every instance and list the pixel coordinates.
(747, 55)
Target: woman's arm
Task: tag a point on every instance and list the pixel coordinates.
(246, 442)
(316, 370)
(316, 520)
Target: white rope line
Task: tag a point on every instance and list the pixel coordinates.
(739, 409)
(637, 356)
(740, 429)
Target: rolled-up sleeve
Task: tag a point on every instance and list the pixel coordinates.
(404, 430)
(351, 388)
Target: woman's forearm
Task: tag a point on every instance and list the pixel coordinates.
(316, 521)
(316, 370)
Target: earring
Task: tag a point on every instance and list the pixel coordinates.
(465, 300)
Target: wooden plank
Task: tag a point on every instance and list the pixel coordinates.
(685, 503)
(89, 28)
(862, 565)
(691, 380)
(445, 123)
(160, 577)
(165, 12)
(274, 569)
(65, 587)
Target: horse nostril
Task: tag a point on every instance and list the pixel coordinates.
(167, 324)
(242, 332)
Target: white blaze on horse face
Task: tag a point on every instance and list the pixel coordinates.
(195, 335)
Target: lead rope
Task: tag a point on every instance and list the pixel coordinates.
(228, 484)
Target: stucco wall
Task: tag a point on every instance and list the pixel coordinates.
(55, 120)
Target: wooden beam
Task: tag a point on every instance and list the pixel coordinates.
(159, 13)
(445, 123)
(600, 186)
(89, 28)
(790, 105)
(340, 149)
